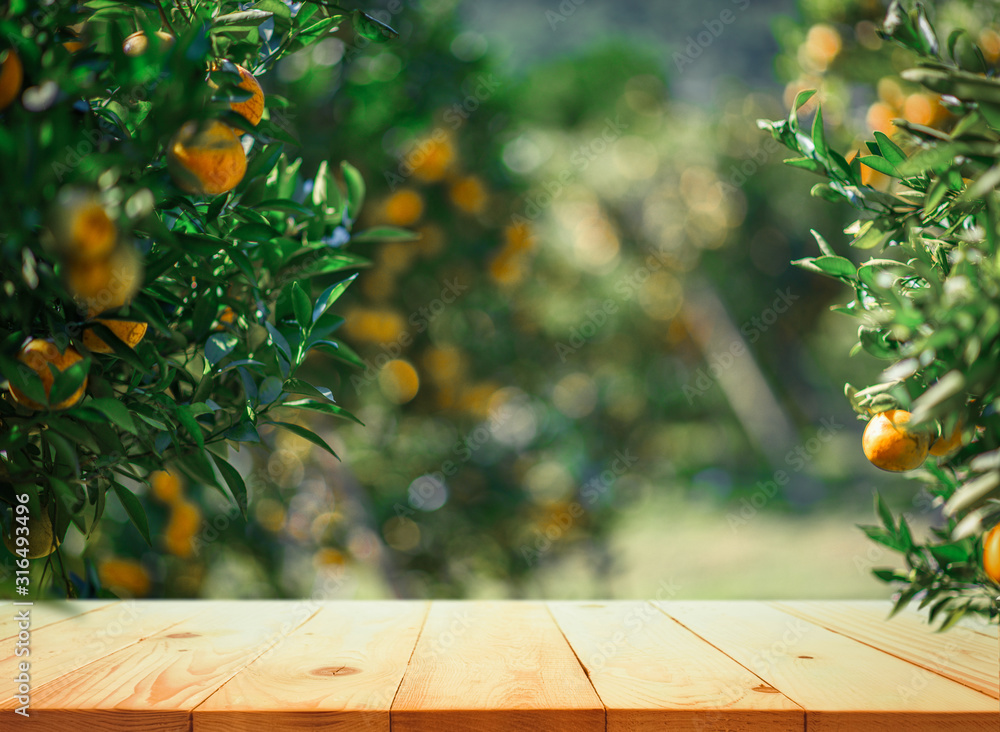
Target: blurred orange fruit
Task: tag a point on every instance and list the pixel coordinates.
(880, 118)
(82, 229)
(129, 332)
(138, 43)
(105, 283)
(432, 158)
(889, 445)
(37, 354)
(11, 78)
(945, 445)
(165, 486)
(41, 538)
(399, 381)
(124, 576)
(404, 207)
(991, 554)
(822, 45)
(207, 159)
(185, 520)
(468, 194)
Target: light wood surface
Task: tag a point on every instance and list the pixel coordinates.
(45, 613)
(413, 666)
(484, 666)
(843, 684)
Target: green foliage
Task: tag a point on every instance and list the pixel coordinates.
(929, 303)
(227, 283)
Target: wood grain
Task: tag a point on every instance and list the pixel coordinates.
(494, 666)
(155, 683)
(843, 684)
(653, 674)
(45, 613)
(960, 654)
(60, 648)
(342, 667)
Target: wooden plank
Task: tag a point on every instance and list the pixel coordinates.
(653, 674)
(45, 613)
(341, 668)
(156, 682)
(974, 623)
(843, 684)
(959, 654)
(494, 666)
(62, 647)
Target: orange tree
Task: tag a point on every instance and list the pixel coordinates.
(928, 306)
(158, 253)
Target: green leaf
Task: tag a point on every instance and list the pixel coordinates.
(884, 514)
(372, 28)
(889, 149)
(324, 408)
(330, 296)
(270, 390)
(66, 382)
(134, 509)
(298, 386)
(881, 165)
(218, 346)
(244, 18)
(235, 482)
(117, 412)
(307, 435)
(355, 189)
(301, 307)
(836, 266)
(819, 135)
(386, 233)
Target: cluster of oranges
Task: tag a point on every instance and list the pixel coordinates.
(890, 444)
(185, 517)
(207, 158)
(125, 577)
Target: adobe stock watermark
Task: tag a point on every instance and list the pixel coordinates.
(796, 460)
(590, 492)
(419, 320)
(562, 13)
(706, 377)
(750, 166)
(626, 288)
(696, 44)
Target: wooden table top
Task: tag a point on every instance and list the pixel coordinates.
(224, 666)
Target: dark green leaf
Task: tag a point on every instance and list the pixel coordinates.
(134, 509)
(307, 435)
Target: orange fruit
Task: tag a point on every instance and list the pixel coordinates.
(37, 354)
(11, 78)
(125, 576)
(185, 520)
(889, 445)
(399, 381)
(823, 43)
(128, 331)
(991, 554)
(138, 43)
(41, 538)
(432, 158)
(105, 283)
(81, 226)
(404, 207)
(207, 159)
(880, 118)
(165, 486)
(253, 108)
(944, 445)
(469, 194)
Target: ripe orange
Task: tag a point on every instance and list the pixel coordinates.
(11, 78)
(165, 486)
(206, 159)
(82, 229)
(185, 520)
(128, 331)
(469, 194)
(37, 354)
(889, 445)
(399, 381)
(41, 539)
(124, 576)
(105, 283)
(404, 207)
(944, 445)
(991, 554)
(138, 43)
(253, 108)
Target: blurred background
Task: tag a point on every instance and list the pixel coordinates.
(596, 373)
